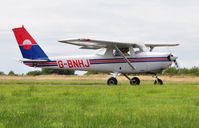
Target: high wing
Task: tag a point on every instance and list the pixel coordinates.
(95, 44)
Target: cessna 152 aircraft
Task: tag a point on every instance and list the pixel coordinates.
(119, 57)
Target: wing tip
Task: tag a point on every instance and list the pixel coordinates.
(61, 41)
(161, 45)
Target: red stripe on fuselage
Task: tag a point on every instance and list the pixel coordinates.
(121, 60)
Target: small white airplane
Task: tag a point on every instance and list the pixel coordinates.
(118, 58)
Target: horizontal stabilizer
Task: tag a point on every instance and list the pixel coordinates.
(32, 61)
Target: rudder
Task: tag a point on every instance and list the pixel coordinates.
(28, 46)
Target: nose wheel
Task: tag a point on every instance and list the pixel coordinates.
(158, 81)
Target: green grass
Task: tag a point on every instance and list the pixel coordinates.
(92, 104)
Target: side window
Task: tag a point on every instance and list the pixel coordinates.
(125, 51)
(136, 50)
(115, 53)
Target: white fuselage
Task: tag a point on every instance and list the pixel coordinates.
(144, 62)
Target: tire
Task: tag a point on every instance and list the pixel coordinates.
(135, 81)
(158, 82)
(112, 81)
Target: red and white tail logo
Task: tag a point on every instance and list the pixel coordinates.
(27, 44)
(23, 38)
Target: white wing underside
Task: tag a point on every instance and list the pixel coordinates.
(97, 44)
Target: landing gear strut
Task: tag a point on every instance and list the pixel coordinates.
(158, 81)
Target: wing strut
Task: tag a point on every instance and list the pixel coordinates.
(119, 51)
(151, 48)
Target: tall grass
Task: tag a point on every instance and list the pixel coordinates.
(38, 104)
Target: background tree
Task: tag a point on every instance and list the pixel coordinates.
(2, 73)
(48, 71)
(34, 73)
(11, 73)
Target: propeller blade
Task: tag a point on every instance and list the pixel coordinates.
(176, 64)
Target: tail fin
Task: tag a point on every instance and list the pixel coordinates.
(28, 46)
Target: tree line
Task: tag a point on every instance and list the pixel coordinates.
(44, 71)
(194, 71)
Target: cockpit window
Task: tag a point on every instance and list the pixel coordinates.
(137, 49)
(125, 51)
(101, 52)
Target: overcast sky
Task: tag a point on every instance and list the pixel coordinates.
(174, 21)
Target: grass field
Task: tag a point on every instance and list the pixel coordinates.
(39, 102)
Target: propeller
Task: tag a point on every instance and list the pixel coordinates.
(174, 59)
(176, 64)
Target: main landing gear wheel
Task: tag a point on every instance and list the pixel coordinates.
(112, 81)
(158, 82)
(135, 81)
